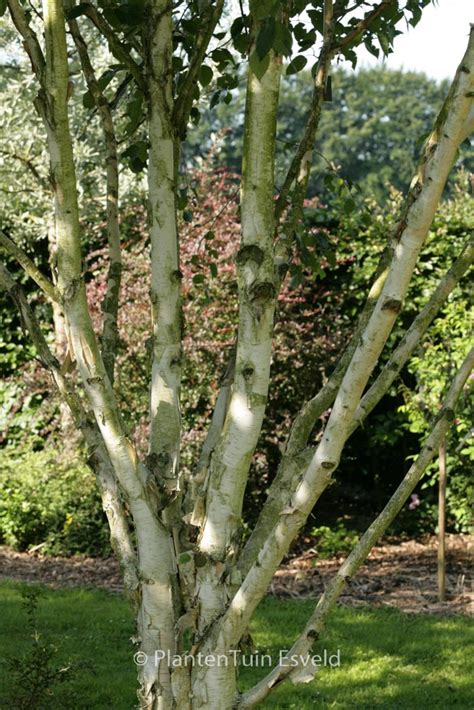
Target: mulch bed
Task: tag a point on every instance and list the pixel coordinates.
(401, 575)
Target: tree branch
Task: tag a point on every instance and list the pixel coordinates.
(30, 267)
(155, 555)
(258, 284)
(200, 474)
(295, 458)
(42, 181)
(184, 100)
(110, 304)
(30, 40)
(165, 291)
(469, 125)
(118, 48)
(413, 336)
(362, 26)
(300, 167)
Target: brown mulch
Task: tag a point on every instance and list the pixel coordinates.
(401, 575)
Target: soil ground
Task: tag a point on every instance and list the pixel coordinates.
(401, 574)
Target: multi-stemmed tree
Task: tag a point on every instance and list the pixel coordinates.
(194, 578)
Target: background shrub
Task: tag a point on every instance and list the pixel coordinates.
(50, 502)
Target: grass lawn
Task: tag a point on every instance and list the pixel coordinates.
(388, 659)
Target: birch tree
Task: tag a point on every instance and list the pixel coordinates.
(192, 577)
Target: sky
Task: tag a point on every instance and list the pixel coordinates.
(435, 46)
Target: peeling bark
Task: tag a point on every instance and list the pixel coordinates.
(155, 562)
(165, 418)
(232, 455)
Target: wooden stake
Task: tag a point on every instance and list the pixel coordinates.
(442, 522)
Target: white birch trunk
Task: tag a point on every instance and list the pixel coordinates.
(155, 560)
(165, 275)
(231, 458)
(257, 288)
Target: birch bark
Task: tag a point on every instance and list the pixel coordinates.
(232, 455)
(155, 557)
(165, 419)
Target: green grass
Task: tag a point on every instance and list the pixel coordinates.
(388, 660)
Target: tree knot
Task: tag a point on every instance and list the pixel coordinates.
(392, 304)
(250, 252)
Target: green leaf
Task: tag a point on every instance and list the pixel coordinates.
(265, 37)
(316, 17)
(258, 66)
(88, 100)
(205, 75)
(296, 65)
(191, 25)
(306, 41)
(263, 8)
(105, 79)
(416, 15)
(242, 43)
(214, 99)
(178, 64)
(182, 199)
(132, 13)
(137, 153)
(198, 279)
(297, 276)
(134, 112)
(237, 27)
(283, 41)
(384, 43)
(184, 558)
(228, 81)
(370, 46)
(349, 205)
(222, 57)
(213, 269)
(112, 17)
(195, 115)
(351, 56)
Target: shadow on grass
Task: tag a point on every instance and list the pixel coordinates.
(388, 659)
